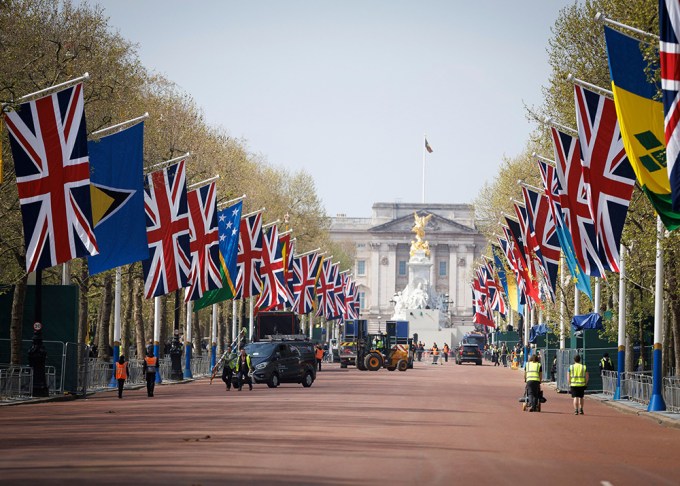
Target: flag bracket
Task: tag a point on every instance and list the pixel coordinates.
(126, 124)
(65, 84)
(584, 84)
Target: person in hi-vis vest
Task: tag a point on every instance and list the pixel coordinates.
(150, 367)
(578, 379)
(122, 373)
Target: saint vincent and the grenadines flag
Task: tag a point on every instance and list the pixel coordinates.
(641, 119)
(228, 225)
(117, 195)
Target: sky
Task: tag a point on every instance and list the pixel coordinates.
(347, 89)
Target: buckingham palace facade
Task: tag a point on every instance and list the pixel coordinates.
(382, 243)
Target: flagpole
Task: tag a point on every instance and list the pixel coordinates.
(311, 323)
(213, 337)
(157, 334)
(233, 319)
(126, 124)
(231, 201)
(116, 326)
(251, 324)
(306, 253)
(253, 213)
(211, 179)
(422, 198)
(656, 401)
(600, 17)
(549, 121)
(265, 226)
(563, 304)
(70, 82)
(620, 359)
(543, 159)
(187, 342)
(584, 84)
(168, 162)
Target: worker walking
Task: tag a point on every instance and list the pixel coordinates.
(445, 353)
(243, 368)
(228, 370)
(435, 353)
(150, 367)
(122, 373)
(319, 355)
(578, 380)
(532, 377)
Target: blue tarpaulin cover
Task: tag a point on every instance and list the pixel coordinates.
(586, 321)
(535, 331)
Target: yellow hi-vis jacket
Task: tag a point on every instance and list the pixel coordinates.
(533, 371)
(577, 374)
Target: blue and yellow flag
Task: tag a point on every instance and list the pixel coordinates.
(228, 228)
(117, 195)
(641, 121)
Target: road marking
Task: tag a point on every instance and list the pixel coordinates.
(606, 483)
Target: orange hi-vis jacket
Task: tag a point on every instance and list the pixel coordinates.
(151, 364)
(121, 371)
(319, 353)
(435, 351)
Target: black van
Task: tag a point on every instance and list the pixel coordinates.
(276, 362)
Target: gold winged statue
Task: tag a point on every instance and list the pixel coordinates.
(419, 230)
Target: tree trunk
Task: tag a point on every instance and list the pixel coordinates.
(196, 324)
(126, 329)
(221, 319)
(103, 342)
(163, 326)
(667, 345)
(16, 326)
(83, 304)
(138, 317)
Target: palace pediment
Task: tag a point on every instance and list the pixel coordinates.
(436, 225)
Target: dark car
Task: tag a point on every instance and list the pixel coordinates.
(276, 362)
(468, 353)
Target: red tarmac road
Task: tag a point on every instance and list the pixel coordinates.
(430, 425)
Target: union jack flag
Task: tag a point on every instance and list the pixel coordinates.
(48, 137)
(305, 270)
(275, 292)
(288, 249)
(574, 199)
(669, 50)
(204, 243)
(543, 224)
(493, 289)
(609, 177)
(351, 298)
(552, 191)
(525, 265)
(325, 287)
(167, 230)
(339, 292)
(531, 246)
(249, 258)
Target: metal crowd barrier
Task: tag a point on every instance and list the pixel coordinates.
(609, 379)
(639, 386)
(16, 382)
(200, 366)
(671, 393)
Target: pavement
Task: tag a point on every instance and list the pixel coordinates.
(430, 425)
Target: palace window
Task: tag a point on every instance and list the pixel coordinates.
(442, 268)
(362, 300)
(361, 267)
(402, 268)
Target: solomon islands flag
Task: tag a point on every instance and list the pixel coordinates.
(228, 226)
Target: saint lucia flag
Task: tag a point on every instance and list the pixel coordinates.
(228, 226)
(117, 194)
(641, 120)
